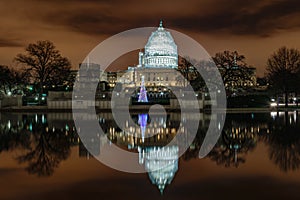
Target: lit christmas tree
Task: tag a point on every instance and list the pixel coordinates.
(143, 92)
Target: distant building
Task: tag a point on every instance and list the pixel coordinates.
(251, 82)
(91, 72)
(112, 79)
(88, 75)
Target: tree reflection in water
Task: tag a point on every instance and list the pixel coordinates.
(234, 144)
(10, 137)
(45, 144)
(193, 151)
(44, 148)
(46, 152)
(240, 135)
(284, 141)
(237, 139)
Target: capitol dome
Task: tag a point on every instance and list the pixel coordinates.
(160, 50)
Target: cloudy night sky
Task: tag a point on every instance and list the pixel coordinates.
(255, 28)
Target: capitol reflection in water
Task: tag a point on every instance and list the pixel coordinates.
(151, 137)
(40, 142)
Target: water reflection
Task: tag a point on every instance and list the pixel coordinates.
(149, 139)
(42, 146)
(237, 139)
(43, 141)
(284, 141)
(47, 150)
(157, 130)
(161, 163)
(11, 137)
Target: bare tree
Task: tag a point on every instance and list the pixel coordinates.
(18, 81)
(233, 68)
(12, 80)
(189, 68)
(283, 69)
(45, 64)
(5, 77)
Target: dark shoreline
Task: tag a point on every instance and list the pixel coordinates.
(44, 109)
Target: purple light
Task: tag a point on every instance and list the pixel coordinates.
(143, 92)
(143, 118)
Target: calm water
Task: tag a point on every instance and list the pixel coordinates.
(257, 156)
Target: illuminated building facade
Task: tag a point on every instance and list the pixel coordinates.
(160, 50)
(158, 64)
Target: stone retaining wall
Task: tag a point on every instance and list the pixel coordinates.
(11, 101)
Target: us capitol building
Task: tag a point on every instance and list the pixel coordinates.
(158, 63)
(157, 68)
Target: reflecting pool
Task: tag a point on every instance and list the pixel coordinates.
(257, 156)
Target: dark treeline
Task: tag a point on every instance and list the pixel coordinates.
(41, 66)
(44, 68)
